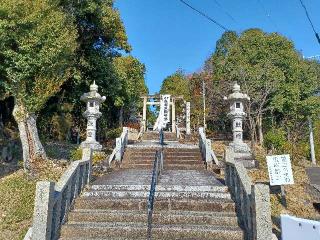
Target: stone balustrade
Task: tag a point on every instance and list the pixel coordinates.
(252, 200)
(206, 150)
(54, 200)
(121, 144)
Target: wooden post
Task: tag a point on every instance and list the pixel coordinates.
(312, 151)
(283, 196)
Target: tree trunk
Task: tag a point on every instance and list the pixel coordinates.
(31, 145)
(260, 132)
(121, 117)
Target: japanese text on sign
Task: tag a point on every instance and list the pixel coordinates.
(280, 171)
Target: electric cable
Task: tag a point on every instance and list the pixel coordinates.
(204, 15)
(313, 28)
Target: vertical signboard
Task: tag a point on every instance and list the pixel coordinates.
(280, 171)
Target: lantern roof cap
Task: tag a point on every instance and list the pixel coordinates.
(236, 94)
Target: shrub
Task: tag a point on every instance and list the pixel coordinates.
(97, 157)
(113, 133)
(275, 139)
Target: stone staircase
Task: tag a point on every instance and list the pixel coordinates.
(175, 158)
(190, 203)
(154, 136)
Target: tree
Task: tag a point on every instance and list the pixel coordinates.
(270, 71)
(102, 39)
(132, 85)
(37, 46)
(177, 84)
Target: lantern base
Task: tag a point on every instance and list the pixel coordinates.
(94, 145)
(242, 153)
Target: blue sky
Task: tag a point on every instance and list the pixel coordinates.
(166, 35)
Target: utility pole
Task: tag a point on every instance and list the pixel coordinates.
(312, 151)
(204, 103)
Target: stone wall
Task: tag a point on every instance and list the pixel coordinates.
(252, 200)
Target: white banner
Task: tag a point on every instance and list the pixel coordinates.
(164, 113)
(280, 171)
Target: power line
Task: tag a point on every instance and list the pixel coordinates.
(204, 15)
(267, 14)
(307, 13)
(225, 11)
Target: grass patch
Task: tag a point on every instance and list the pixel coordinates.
(17, 193)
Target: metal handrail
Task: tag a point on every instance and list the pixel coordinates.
(161, 137)
(157, 169)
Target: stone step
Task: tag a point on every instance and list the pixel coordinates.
(166, 156)
(168, 166)
(135, 230)
(174, 188)
(137, 166)
(213, 205)
(182, 157)
(158, 195)
(172, 217)
(184, 150)
(184, 162)
(193, 154)
(166, 161)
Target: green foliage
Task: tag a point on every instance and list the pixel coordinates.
(113, 133)
(275, 139)
(271, 71)
(102, 40)
(176, 84)
(37, 46)
(97, 157)
(131, 85)
(76, 154)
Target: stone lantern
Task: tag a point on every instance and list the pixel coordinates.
(237, 114)
(93, 100)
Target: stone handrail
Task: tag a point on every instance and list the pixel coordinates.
(54, 200)
(252, 200)
(206, 150)
(121, 144)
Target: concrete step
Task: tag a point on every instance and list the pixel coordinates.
(158, 195)
(172, 217)
(217, 205)
(133, 230)
(174, 188)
